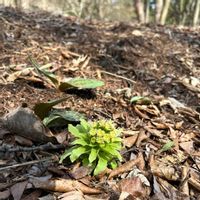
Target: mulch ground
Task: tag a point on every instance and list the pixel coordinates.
(159, 62)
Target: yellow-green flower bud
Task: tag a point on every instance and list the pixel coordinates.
(106, 138)
(93, 140)
(100, 133)
(100, 140)
(92, 132)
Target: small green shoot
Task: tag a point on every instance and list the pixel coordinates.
(140, 100)
(65, 84)
(42, 109)
(81, 83)
(96, 144)
(166, 147)
(59, 118)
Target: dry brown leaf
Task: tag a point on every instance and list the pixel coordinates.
(4, 195)
(154, 132)
(80, 172)
(17, 190)
(178, 125)
(167, 172)
(138, 191)
(160, 125)
(130, 141)
(23, 141)
(97, 197)
(130, 132)
(164, 168)
(23, 122)
(150, 109)
(185, 137)
(3, 129)
(184, 185)
(142, 136)
(73, 195)
(63, 185)
(33, 196)
(48, 197)
(194, 183)
(171, 191)
(124, 168)
(188, 147)
(142, 115)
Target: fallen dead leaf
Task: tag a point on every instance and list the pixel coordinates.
(130, 141)
(124, 168)
(33, 195)
(23, 122)
(138, 191)
(17, 190)
(63, 185)
(80, 172)
(73, 195)
(4, 195)
(188, 147)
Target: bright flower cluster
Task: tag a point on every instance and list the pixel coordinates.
(96, 144)
(103, 132)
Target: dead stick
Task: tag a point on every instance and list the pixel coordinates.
(52, 158)
(48, 146)
(118, 76)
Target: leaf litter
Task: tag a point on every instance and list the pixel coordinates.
(124, 62)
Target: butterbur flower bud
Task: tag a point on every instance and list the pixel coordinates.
(93, 140)
(106, 138)
(92, 132)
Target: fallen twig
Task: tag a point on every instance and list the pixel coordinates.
(52, 158)
(118, 76)
(48, 146)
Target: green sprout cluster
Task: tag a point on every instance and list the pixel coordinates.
(103, 132)
(96, 144)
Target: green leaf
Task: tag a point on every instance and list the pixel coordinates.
(80, 141)
(62, 117)
(80, 83)
(76, 153)
(116, 145)
(113, 164)
(42, 109)
(110, 150)
(81, 128)
(51, 121)
(66, 154)
(166, 146)
(85, 125)
(46, 73)
(85, 161)
(140, 100)
(75, 132)
(93, 155)
(117, 139)
(101, 166)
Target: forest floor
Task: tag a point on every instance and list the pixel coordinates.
(161, 63)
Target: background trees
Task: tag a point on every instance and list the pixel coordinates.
(179, 12)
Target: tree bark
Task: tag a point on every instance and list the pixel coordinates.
(196, 13)
(159, 7)
(164, 12)
(147, 11)
(139, 7)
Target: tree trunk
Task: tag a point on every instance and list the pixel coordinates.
(159, 7)
(196, 13)
(147, 11)
(139, 7)
(165, 11)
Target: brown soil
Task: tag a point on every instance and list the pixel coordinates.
(132, 59)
